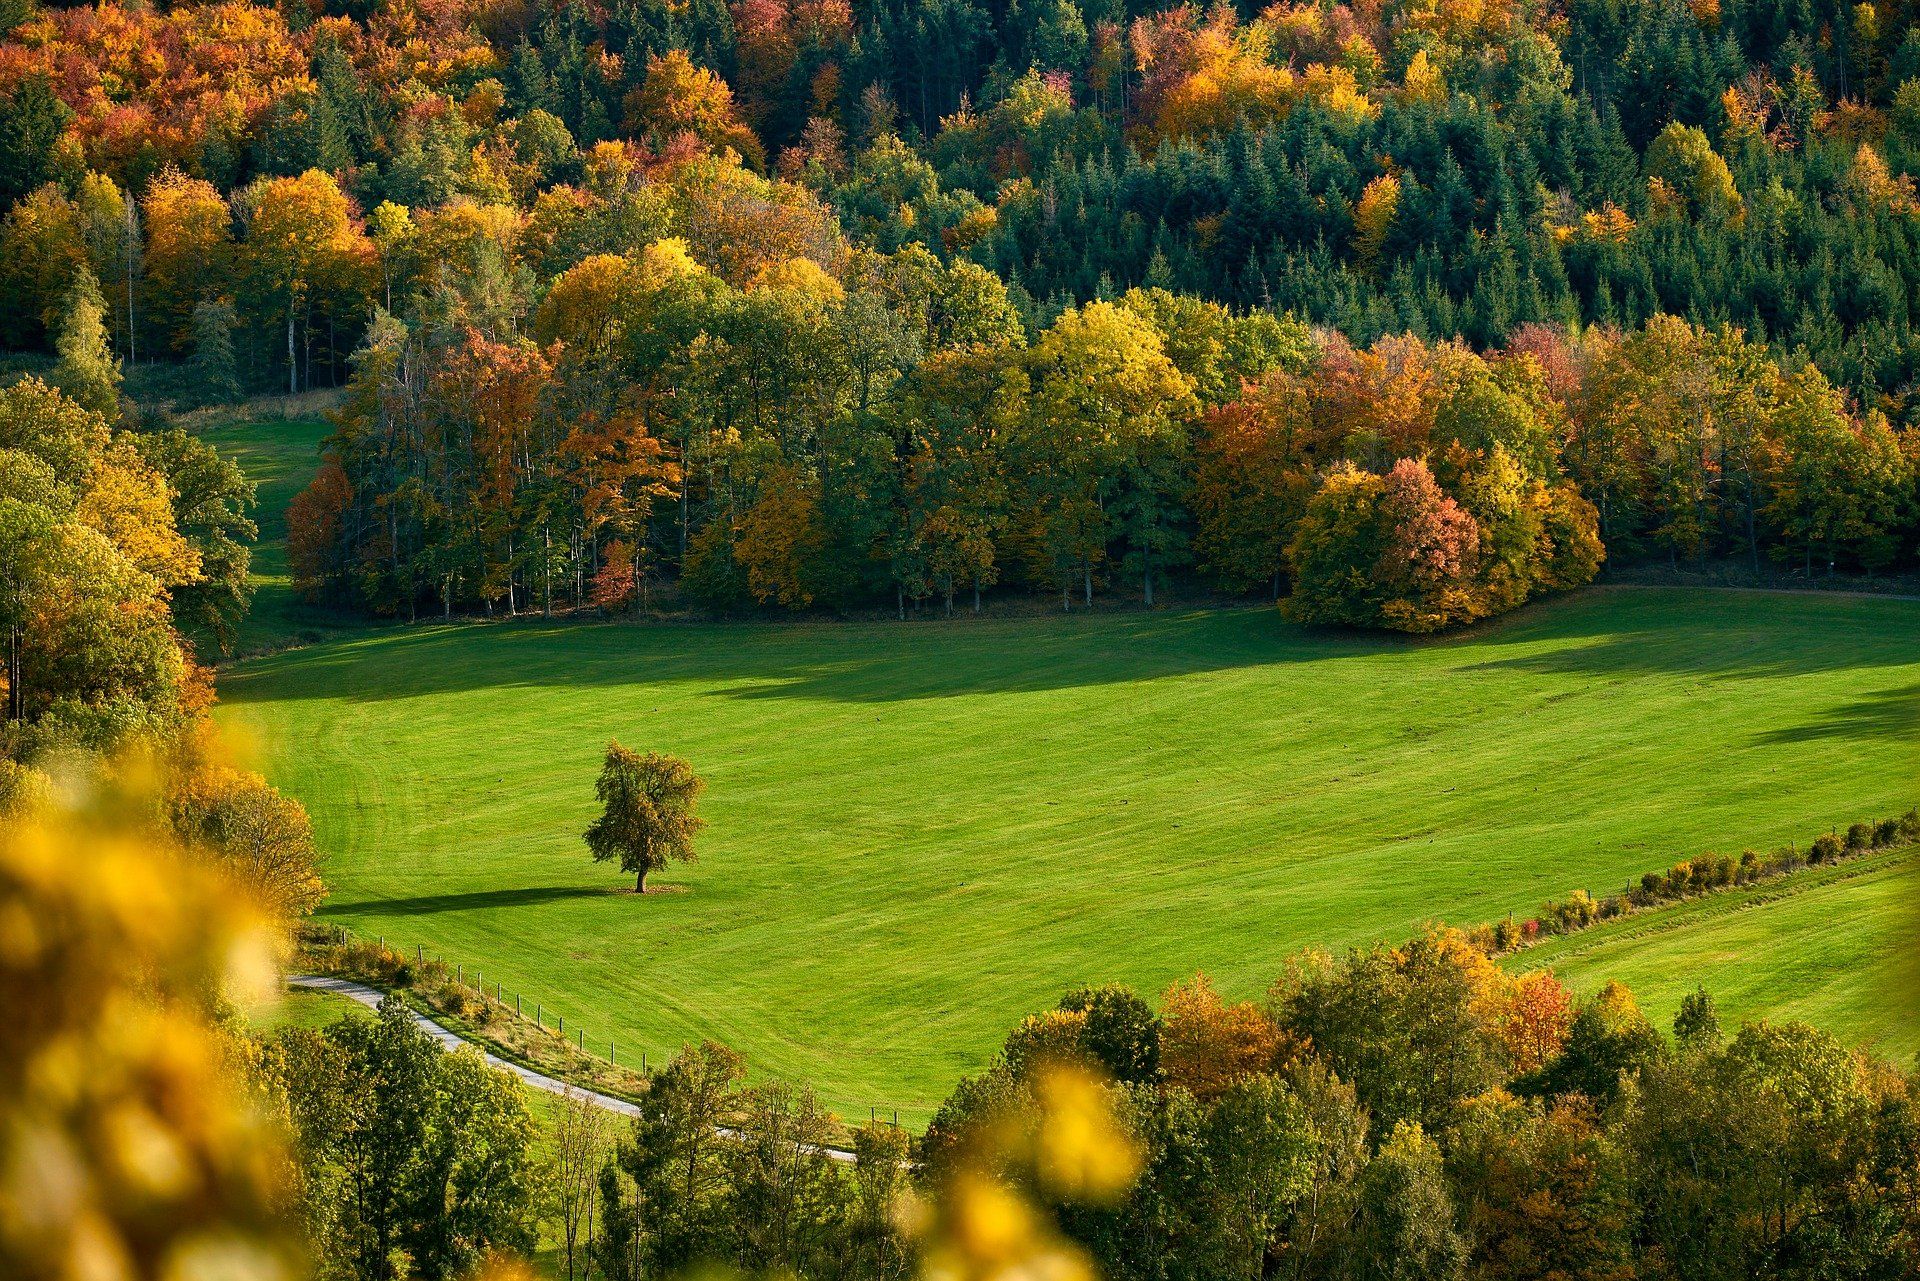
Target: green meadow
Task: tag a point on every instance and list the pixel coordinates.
(920, 831)
(279, 456)
(1830, 946)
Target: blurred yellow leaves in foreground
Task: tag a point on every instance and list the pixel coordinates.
(128, 1145)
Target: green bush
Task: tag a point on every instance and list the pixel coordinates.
(1859, 837)
(1825, 849)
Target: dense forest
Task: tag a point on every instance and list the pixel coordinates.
(1406, 311)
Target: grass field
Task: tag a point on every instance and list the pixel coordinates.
(921, 831)
(304, 1007)
(280, 456)
(1831, 946)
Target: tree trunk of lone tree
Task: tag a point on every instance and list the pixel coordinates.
(640, 882)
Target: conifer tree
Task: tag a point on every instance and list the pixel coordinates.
(216, 379)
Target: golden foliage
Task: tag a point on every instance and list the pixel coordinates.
(986, 1220)
(127, 502)
(1879, 186)
(1373, 217)
(126, 1147)
(1207, 1045)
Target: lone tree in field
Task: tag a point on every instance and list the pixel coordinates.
(649, 812)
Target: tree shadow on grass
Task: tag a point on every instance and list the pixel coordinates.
(479, 900)
(1719, 635)
(1600, 634)
(852, 662)
(1888, 713)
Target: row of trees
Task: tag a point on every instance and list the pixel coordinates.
(774, 417)
(890, 429)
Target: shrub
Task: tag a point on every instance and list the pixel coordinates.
(1859, 837)
(1749, 866)
(1910, 825)
(1578, 911)
(1824, 849)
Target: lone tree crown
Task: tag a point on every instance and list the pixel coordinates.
(647, 815)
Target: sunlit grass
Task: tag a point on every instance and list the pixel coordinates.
(921, 831)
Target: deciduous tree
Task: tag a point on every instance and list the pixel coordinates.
(647, 813)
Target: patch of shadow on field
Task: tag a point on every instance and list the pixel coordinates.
(843, 662)
(1891, 713)
(1717, 643)
(479, 900)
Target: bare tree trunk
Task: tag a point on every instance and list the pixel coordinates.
(133, 240)
(16, 687)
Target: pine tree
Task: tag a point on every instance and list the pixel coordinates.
(216, 379)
